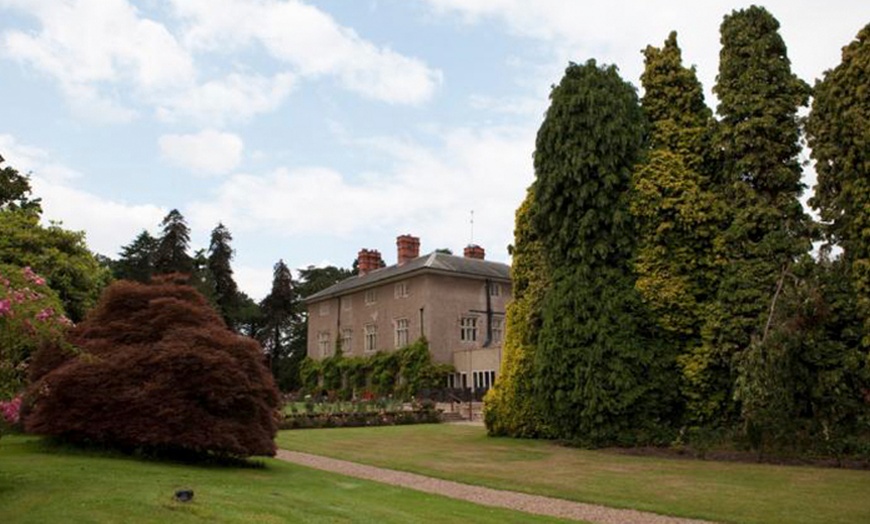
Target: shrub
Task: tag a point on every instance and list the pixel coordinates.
(157, 369)
(30, 315)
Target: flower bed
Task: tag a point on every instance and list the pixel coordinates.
(358, 419)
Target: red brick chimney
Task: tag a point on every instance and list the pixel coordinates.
(368, 260)
(408, 248)
(474, 251)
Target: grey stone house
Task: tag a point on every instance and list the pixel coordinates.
(457, 303)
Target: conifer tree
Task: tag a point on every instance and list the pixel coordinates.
(279, 315)
(171, 255)
(838, 130)
(767, 229)
(600, 374)
(226, 292)
(136, 260)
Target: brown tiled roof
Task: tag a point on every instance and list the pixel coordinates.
(433, 262)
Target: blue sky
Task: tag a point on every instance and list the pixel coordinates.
(315, 129)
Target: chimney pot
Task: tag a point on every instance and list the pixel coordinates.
(474, 251)
(408, 248)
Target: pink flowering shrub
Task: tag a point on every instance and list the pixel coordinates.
(30, 315)
(10, 412)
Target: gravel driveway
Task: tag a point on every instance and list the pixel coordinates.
(479, 495)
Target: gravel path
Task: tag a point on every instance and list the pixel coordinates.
(486, 496)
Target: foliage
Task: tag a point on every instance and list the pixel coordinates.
(802, 385)
(157, 369)
(837, 131)
(766, 227)
(220, 254)
(171, 255)
(402, 373)
(15, 191)
(510, 403)
(601, 375)
(136, 259)
(351, 419)
(59, 255)
(30, 316)
(279, 328)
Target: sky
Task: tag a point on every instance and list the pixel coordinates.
(315, 129)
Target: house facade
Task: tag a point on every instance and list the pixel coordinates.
(457, 303)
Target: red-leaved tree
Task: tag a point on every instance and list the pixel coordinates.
(155, 367)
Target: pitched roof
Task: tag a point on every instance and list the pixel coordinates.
(433, 262)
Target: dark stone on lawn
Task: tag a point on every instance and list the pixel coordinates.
(184, 495)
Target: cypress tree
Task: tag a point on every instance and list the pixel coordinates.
(171, 254)
(767, 229)
(599, 370)
(838, 134)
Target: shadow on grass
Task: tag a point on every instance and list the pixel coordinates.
(157, 454)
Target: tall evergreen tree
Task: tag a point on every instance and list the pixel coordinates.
(599, 371)
(171, 255)
(220, 254)
(279, 315)
(761, 180)
(136, 260)
(838, 129)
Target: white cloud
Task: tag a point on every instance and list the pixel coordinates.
(311, 42)
(109, 224)
(236, 97)
(87, 45)
(615, 32)
(429, 192)
(208, 152)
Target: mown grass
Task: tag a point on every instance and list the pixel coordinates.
(719, 491)
(41, 482)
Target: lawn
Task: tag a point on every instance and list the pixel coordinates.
(720, 491)
(40, 483)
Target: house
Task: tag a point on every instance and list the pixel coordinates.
(457, 303)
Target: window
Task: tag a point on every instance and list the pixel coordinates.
(497, 329)
(324, 309)
(468, 329)
(401, 290)
(401, 332)
(346, 304)
(494, 290)
(371, 340)
(371, 297)
(346, 336)
(323, 343)
(483, 379)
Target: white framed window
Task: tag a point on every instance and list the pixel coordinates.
(401, 333)
(346, 304)
(371, 337)
(483, 379)
(371, 297)
(494, 290)
(401, 290)
(497, 329)
(323, 343)
(324, 309)
(468, 329)
(346, 339)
